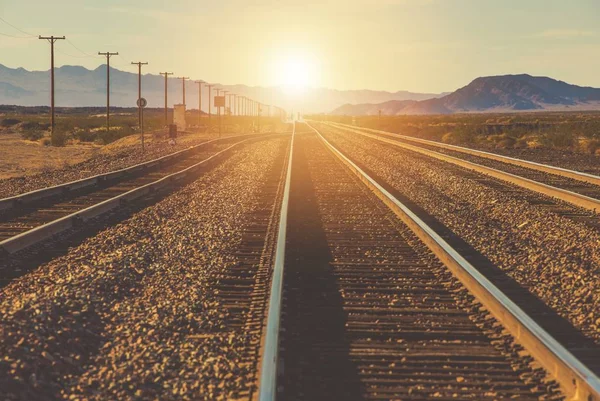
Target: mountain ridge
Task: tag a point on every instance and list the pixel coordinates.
(79, 86)
(499, 93)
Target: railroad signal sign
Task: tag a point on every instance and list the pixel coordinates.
(219, 101)
(141, 102)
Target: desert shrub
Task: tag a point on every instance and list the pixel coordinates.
(558, 139)
(507, 142)
(31, 126)
(59, 138)
(32, 135)
(521, 143)
(460, 136)
(85, 136)
(106, 137)
(9, 122)
(590, 146)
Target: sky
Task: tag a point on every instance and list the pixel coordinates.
(427, 46)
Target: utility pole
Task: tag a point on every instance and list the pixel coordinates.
(224, 109)
(183, 84)
(108, 55)
(166, 74)
(140, 108)
(52, 39)
(209, 106)
(199, 101)
(230, 97)
(219, 111)
(259, 110)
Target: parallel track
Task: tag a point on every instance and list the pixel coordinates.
(22, 226)
(580, 176)
(28, 217)
(367, 312)
(559, 183)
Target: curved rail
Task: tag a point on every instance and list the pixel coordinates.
(545, 168)
(269, 363)
(577, 381)
(43, 232)
(574, 198)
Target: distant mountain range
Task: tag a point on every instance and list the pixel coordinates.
(78, 86)
(503, 93)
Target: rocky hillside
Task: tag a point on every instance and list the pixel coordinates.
(493, 94)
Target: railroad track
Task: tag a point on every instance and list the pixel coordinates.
(342, 292)
(368, 302)
(577, 188)
(29, 219)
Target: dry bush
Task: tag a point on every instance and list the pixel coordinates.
(461, 136)
(522, 143)
(559, 139)
(59, 138)
(590, 146)
(506, 142)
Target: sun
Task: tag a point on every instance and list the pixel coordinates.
(296, 73)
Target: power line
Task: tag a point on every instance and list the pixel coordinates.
(81, 51)
(17, 37)
(18, 29)
(69, 55)
(123, 63)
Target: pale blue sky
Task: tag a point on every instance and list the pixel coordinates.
(417, 45)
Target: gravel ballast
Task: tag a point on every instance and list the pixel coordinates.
(103, 162)
(555, 257)
(130, 314)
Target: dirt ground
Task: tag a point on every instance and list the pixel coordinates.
(20, 157)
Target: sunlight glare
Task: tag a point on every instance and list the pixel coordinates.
(296, 73)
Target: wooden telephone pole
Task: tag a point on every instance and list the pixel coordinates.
(52, 39)
(209, 106)
(139, 102)
(108, 55)
(199, 102)
(166, 74)
(183, 84)
(220, 115)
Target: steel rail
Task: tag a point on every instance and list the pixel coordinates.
(270, 355)
(42, 193)
(576, 380)
(38, 234)
(574, 198)
(563, 172)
